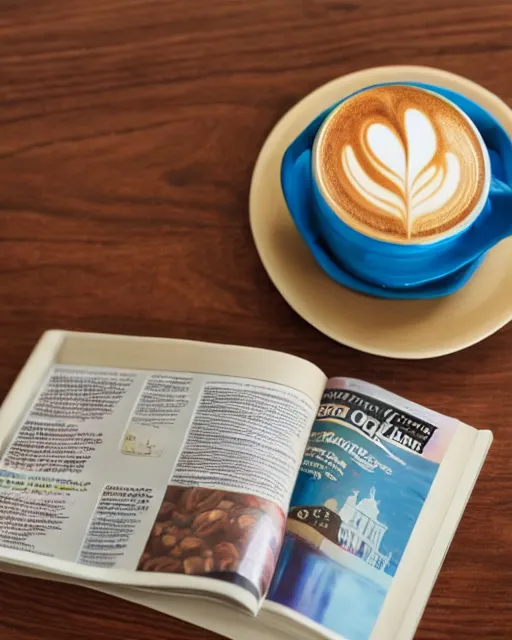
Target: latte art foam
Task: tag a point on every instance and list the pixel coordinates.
(400, 163)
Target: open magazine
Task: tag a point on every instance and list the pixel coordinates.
(235, 488)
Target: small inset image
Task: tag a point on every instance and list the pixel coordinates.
(217, 533)
(142, 441)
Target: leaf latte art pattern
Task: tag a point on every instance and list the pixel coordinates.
(401, 163)
(423, 187)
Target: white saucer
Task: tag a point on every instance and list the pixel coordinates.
(393, 328)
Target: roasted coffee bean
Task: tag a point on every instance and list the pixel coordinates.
(163, 563)
(171, 529)
(154, 545)
(171, 565)
(248, 521)
(211, 501)
(226, 556)
(197, 500)
(176, 531)
(244, 524)
(193, 565)
(210, 522)
(168, 540)
(226, 505)
(192, 497)
(191, 546)
(151, 564)
(182, 519)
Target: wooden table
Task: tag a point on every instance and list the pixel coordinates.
(128, 133)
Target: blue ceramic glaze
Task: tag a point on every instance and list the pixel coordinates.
(400, 270)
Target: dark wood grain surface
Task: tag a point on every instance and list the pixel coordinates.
(128, 133)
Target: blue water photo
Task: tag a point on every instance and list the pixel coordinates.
(399, 495)
(325, 591)
(354, 508)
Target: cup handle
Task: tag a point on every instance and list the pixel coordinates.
(489, 229)
(500, 195)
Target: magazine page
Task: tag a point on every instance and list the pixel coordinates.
(369, 466)
(144, 477)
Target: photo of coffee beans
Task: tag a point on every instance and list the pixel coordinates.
(210, 531)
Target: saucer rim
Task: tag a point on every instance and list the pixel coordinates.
(286, 288)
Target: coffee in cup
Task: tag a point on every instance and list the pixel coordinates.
(401, 164)
(393, 190)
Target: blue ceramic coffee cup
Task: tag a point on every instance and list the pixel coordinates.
(388, 265)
